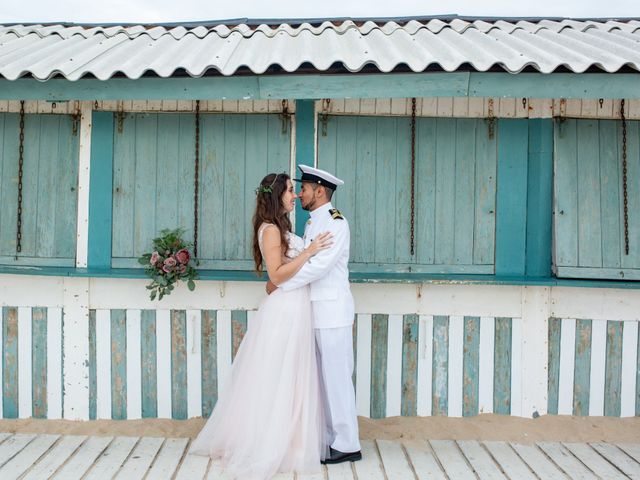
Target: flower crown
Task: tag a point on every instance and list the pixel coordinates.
(267, 188)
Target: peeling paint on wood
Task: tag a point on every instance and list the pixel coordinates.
(379, 345)
(118, 365)
(10, 362)
(613, 369)
(149, 364)
(471, 366)
(238, 330)
(178, 364)
(553, 365)
(409, 405)
(209, 362)
(582, 368)
(502, 367)
(440, 376)
(39, 361)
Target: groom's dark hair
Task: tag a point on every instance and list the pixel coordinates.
(328, 191)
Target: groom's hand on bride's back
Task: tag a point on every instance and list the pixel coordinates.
(270, 287)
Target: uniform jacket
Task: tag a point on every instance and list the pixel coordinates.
(327, 272)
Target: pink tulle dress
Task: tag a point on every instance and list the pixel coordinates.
(269, 416)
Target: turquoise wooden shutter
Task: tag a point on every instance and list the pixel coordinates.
(154, 182)
(49, 191)
(454, 197)
(588, 204)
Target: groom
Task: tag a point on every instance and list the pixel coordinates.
(333, 311)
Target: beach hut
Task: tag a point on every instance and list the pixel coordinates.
(492, 171)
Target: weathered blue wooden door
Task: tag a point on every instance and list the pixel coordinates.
(153, 183)
(455, 192)
(49, 190)
(589, 199)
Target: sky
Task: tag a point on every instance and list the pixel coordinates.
(159, 11)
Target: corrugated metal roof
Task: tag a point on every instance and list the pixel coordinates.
(73, 51)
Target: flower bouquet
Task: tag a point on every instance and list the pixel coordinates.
(170, 261)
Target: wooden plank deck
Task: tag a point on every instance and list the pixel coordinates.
(44, 456)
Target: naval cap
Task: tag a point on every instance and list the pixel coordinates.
(321, 177)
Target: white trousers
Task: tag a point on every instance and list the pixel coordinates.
(334, 349)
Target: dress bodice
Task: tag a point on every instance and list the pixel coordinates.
(295, 243)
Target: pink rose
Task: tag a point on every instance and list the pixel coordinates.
(154, 258)
(169, 264)
(182, 256)
(182, 268)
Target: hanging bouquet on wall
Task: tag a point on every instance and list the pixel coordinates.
(171, 260)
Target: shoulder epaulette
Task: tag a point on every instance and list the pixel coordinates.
(335, 214)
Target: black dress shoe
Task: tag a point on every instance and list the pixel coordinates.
(336, 456)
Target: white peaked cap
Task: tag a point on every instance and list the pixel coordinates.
(321, 177)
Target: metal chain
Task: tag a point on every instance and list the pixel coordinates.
(413, 172)
(196, 182)
(20, 173)
(624, 178)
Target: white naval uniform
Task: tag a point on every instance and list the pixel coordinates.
(333, 311)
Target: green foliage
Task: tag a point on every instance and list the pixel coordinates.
(170, 260)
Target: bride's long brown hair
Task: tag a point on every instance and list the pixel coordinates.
(269, 209)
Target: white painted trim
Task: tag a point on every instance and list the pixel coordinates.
(84, 164)
(425, 365)
(103, 364)
(1, 358)
(163, 363)
(223, 331)
(598, 365)
(629, 367)
(456, 360)
(194, 363)
(394, 365)
(535, 350)
(516, 367)
(54, 363)
(76, 349)
(363, 365)
(134, 364)
(595, 303)
(31, 291)
(486, 361)
(567, 366)
(25, 368)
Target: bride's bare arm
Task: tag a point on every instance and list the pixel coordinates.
(278, 270)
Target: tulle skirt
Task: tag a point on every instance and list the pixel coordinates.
(269, 417)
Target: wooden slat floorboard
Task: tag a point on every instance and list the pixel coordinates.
(108, 464)
(451, 459)
(55, 457)
(618, 458)
(563, 458)
(168, 459)
(30, 457)
(424, 461)
(12, 445)
(394, 460)
(598, 465)
(480, 460)
(193, 467)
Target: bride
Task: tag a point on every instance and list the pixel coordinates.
(269, 418)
